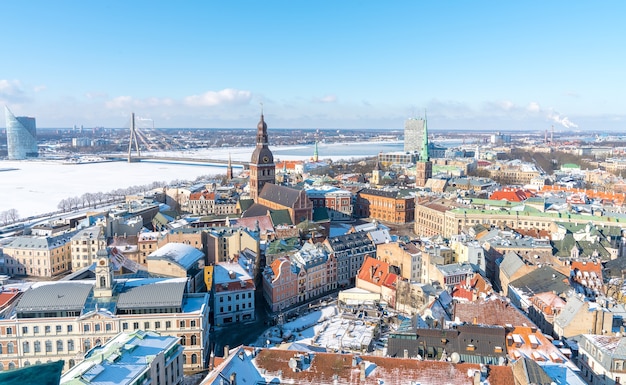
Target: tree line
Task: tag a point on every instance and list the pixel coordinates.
(98, 198)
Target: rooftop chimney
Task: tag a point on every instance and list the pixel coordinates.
(226, 351)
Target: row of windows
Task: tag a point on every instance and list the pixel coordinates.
(98, 327)
(157, 325)
(230, 308)
(59, 328)
(236, 297)
(48, 345)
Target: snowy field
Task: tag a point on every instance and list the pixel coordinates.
(35, 187)
(325, 328)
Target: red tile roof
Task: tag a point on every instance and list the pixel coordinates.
(207, 195)
(511, 195)
(374, 271)
(325, 367)
(616, 198)
(8, 296)
(490, 311)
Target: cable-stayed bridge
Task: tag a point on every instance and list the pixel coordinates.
(144, 136)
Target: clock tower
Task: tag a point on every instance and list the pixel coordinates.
(262, 167)
(104, 275)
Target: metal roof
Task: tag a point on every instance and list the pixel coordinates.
(56, 296)
(158, 294)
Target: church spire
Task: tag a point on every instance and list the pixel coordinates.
(229, 169)
(315, 153)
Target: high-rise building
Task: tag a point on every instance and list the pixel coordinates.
(21, 136)
(423, 167)
(262, 167)
(413, 133)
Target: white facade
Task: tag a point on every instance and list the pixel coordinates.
(85, 245)
(131, 358)
(233, 294)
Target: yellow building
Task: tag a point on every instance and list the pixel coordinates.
(38, 256)
(405, 256)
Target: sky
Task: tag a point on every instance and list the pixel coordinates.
(495, 65)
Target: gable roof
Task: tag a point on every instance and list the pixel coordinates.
(490, 311)
(376, 272)
(54, 296)
(263, 221)
(527, 371)
(282, 195)
(541, 280)
(264, 366)
(181, 254)
(255, 210)
(511, 263)
(281, 217)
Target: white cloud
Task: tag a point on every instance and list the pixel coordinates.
(506, 105)
(125, 102)
(40, 88)
(96, 95)
(120, 102)
(217, 98)
(327, 99)
(533, 107)
(11, 91)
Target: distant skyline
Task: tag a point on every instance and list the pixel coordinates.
(488, 65)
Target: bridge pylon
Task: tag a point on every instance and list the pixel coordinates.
(133, 138)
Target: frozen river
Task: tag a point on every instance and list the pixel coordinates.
(36, 186)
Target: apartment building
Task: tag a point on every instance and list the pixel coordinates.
(85, 244)
(233, 294)
(38, 256)
(63, 320)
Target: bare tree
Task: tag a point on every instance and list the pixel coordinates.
(4, 217)
(63, 205)
(13, 215)
(99, 197)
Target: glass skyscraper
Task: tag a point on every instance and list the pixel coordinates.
(413, 134)
(21, 136)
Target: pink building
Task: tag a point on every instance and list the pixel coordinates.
(375, 276)
(280, 284)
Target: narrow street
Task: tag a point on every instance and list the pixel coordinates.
(242, 333)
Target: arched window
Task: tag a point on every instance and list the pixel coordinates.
(72, 363)
(70, 345)
(10, 349)
(59, 345)
(194, 340)
(194, 359)
(26, 347)
(183, 340)
(1, 349)
(48, 346)
(103, 281)
(1, 366)
(27, 363)
(38, 362)
(98, 342)
(37, 345)
(11, 365)
(87, 345)
(184, 359)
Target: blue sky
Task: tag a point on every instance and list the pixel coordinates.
(501, 65)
